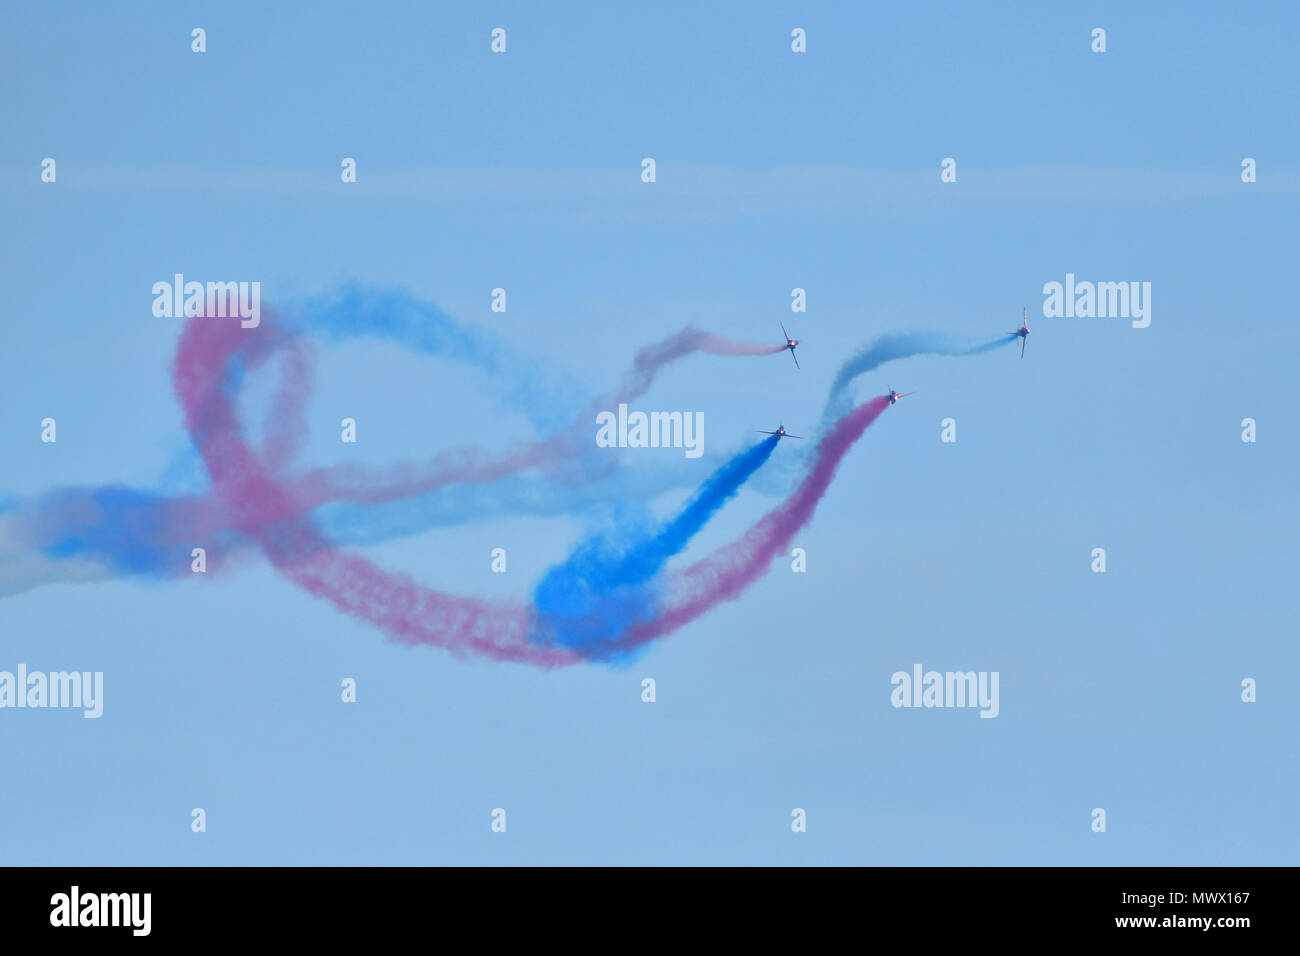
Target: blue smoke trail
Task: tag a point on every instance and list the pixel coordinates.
(119, 528)
(115, 525)
(608, 583)
(900, 345)
(546, 396)
(125, 530)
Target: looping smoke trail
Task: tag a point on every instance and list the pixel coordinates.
(598, 601)
(408, 611)
(76, 534)
(610, 597)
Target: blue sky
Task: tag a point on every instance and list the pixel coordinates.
(775, 171)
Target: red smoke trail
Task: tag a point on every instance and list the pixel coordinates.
(732, 568)
(286, 423)
(260, 508)
(716, 345)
